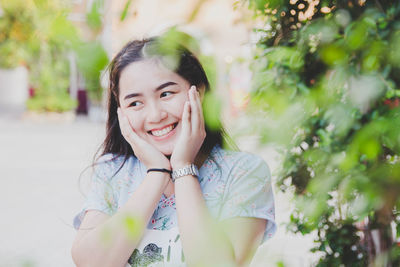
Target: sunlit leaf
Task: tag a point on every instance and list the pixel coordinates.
(356, 35)
(124, 12)
(212, 111)
(94, 16)
(133, 226)
(334, 54)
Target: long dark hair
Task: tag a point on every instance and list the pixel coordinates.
(175, 57)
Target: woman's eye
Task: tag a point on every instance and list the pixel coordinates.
(135, 104)
(167, 93)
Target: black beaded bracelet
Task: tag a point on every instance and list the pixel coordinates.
(160, 170)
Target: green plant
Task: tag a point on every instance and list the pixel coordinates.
(39, 34)
(326, 88)
(52, 81)
(55, 38)
(91, 56)
(16, 32)
(91, 60)
(94, 17)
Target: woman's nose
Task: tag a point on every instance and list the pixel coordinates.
(156, 113)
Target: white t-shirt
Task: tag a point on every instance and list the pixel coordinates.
(234, 184)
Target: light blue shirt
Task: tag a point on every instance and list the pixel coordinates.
(234, 184)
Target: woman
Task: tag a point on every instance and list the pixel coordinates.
(164, 192)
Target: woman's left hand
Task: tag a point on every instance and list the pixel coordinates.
(192, 134)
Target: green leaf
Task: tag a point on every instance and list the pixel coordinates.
(334, 54)
(94, 17)
(356, 35)
(91, 60)
(124, 12)
(212, 111)
(133, 227)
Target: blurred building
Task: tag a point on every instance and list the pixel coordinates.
(215, 23)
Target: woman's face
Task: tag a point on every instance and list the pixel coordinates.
(153, 97)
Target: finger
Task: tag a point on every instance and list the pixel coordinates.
(195, 117)
(200, 108)
(186, 127)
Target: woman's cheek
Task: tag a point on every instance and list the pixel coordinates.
(175, 108)
(133, 120)
(181, 104)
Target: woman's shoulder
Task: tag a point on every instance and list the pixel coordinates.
(114, 159)
(113, 163)
(234, 158)
(109, 158)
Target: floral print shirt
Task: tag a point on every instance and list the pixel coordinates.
(234, 184)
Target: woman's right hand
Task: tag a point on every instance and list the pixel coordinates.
(150, 156)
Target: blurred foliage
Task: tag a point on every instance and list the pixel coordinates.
(51, 79)
(38, 34)
(94, 16)
(91, 60)
(16, 32)
(133, 227)
(124, 12)
(91, 55)
(326, 87)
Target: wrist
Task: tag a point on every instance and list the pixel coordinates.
(179, 165)
(186, 170)
(164, 165)
(163, 177)
(163, 170)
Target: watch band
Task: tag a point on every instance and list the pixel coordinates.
(187, 170)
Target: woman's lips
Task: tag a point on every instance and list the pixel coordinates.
(164, 132)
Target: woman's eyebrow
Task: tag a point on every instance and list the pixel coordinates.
(155, 90)
(164, 85)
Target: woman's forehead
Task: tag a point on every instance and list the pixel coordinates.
(146, 74)
(140, 71)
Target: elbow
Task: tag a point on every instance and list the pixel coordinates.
(75, 255)
(242, 263)
(78, 256)
(244, 260)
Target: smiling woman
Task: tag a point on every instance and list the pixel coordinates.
(164, 191)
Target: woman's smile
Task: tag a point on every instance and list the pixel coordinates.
(164, 132)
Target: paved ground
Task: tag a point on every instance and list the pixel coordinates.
(40, 164)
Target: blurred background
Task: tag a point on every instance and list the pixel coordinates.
(312, 86)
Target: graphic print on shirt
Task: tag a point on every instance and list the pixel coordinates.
(158, 248)
(151, 254)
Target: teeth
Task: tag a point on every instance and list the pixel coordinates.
(163, 131)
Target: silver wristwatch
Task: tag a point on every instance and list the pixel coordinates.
(187, 170)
